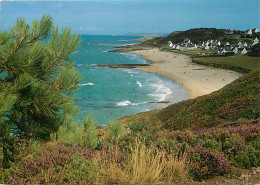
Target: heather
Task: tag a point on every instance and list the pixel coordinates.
(177, 157)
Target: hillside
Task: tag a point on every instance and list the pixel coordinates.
(214, 138)
(237, 101)
(198, 35)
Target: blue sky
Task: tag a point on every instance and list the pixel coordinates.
(136, 16)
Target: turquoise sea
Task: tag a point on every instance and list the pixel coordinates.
(108, 93)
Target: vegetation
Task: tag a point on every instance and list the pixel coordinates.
(195, 139)
(211, 128)
(192, 140)
(198, 35)
(240, 63)
(36, 93)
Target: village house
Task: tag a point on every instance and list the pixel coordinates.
(243, 52)
(229, 32)
(255, 41)
(170, 44)
(255, 30)
(216, 46)
(248, 32)
(186, 44)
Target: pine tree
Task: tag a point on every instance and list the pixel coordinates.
(37, 80)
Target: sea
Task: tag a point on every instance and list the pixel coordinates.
(109, 93)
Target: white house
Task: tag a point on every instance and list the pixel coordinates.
(249, 32)
(255, 30)
(235, 50)
(240, 45)
(178, 47)
(227, 44)
(245, 44)
(170, 44)
(223, 51)
(206, 47)
(195, 46)
(255, 41)
(203, 44)
(174, 46)
(244, 51)
(219, 43)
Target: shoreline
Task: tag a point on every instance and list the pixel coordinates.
(197, 79)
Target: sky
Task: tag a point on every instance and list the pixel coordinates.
(115, 17)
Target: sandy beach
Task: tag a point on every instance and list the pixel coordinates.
(197, 79)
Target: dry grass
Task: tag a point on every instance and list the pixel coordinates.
(145, 165)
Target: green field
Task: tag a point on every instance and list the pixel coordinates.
(192, 53)
(241, 61)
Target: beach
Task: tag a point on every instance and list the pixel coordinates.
(197, 79)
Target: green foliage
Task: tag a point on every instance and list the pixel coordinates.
(36, 92)
(7, 173)
(115, 130)
(213, 145)
(136, 127)
(242, 159)
(34, 144)
(255, 50)
(69, 131)
(90, 140)
(81, 171)
(165, 144)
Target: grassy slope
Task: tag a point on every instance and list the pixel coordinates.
(241, 61)
(236, 101)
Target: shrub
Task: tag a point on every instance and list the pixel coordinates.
(136, 127)
(165, 144)
(242, 160)
(185, 136)
(115, 130)
(213, 145)
(90, 139)
(70, 132)
(206, 164)
(80, 171)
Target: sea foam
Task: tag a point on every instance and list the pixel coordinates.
(127, 102)
(139, 84)
(162, 92)
(87, 84)
(123, 103)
